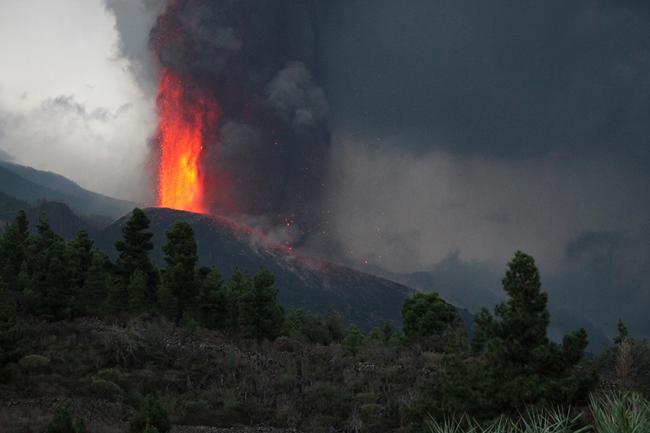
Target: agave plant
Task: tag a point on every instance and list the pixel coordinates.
(620, 413)
(463, 424)
(551, 421)
(535, 421)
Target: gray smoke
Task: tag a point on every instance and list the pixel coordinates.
(462, 130)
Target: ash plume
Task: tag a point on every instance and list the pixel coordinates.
(267, 155)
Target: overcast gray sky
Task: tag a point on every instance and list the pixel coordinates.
(68, 101)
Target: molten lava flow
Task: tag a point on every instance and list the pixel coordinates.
(186, 119)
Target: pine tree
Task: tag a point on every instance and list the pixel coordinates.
(518, 364)
(8, 333)
(81, 248)
(181, 257)
(133, 252)
(261, 316)
(96, 285)
(48, 273)
(234, 290)
(13, 245)
(623, 333)
(138, 292)
(212, 303)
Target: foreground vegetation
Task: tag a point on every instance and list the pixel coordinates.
(617, 413)
(137, 348)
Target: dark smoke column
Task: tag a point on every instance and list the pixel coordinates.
(267, 154)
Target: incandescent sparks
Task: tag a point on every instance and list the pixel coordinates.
(186, 118)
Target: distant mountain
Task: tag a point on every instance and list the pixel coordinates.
(303, 282)
(61, 218)
(32, 186)
(9, 206)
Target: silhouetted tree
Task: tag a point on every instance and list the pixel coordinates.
(623, 333)
(50, 274)
(260, 314)
(97, 285)
(8, 335)
(133, 252)
(519, 365)
(13, 243)
(138, 292)
(179, 277)
(426, 314)
(212, 302)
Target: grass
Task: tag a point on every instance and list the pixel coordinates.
(617, 413)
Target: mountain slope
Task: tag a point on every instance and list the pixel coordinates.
(31, 185)
(303, 282)
(9, 206)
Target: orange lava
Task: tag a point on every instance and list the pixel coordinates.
(185, 119)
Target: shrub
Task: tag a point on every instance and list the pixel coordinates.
(150, 414)
(35, 363)
(195, 412)
(104, 389)
(63, 422)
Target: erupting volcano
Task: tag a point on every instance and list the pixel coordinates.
(185, 117)
(242, 123)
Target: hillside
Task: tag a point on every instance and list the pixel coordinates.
(304, 282)
(30, 185)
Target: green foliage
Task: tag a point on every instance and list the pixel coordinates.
(533, 421)
(622, 413)
(51, 273)
(150, 429)
(313, 328)
(13, 243)
(81, 256)
(97, 285)
(63, 422)
(34, 363)
(151, 414)
(514, 364)
(133, 252)
(376, 336)
(260, 314)
(179, 277)
(353, 339)
(426, 314)
(138, 291)
(8, 332)
(623, 333)
(212, 301)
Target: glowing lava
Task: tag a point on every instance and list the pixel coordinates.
(186, 119)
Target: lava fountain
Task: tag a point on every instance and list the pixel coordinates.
(187, 117)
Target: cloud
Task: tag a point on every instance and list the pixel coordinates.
(133, 22)
(294, 97)
(86, 144)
